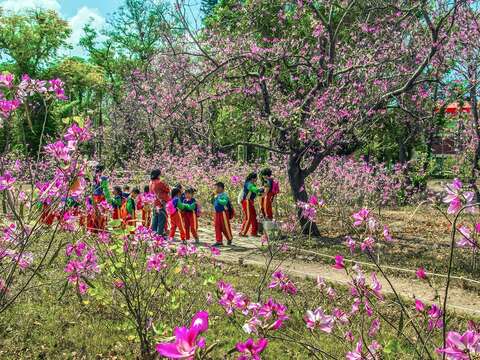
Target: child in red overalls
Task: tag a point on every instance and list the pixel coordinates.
(174, 207)
(271, 190)
(223, 214)
(250, 192)
(190, 215)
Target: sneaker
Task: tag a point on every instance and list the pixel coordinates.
(197, 241)
(217, 245)
(229, 242)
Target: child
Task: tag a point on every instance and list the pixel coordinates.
(176, 221)
(189, 214)
(145, 207)
(180, 188)
(100, 182)
(126, 192)
(271, 190)
(250, 191)
(116, 201)
(128, 213)
(223, 213)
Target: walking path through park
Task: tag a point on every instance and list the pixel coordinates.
(247, 251)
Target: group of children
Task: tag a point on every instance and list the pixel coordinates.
(166, 210)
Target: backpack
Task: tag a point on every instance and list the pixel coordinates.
(170, 208)
(240, 197)
(275, 187)
(230, 210)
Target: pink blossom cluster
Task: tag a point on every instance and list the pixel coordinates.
(345, 181)
(457, 198)
(269, 315)
(283, 282)
(13, 95)
(81, 266)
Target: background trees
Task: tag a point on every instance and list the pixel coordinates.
(299, 81)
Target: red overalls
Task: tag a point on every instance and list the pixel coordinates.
(222, 226)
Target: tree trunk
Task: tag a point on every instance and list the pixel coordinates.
(476, 124)
(296, 177)
(402, 153)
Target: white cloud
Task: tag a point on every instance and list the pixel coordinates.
(19, 5)
(84, 16)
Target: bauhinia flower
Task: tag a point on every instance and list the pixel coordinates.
(350, 243)
(156, 262)
(455, 197)
(250, 349)
(318, 319)
(281, 280)
(464, 346)
(374, 327)
(339, 264)
(435, 317)
(386, 234)
(376, 286)
(187, 340)
(6, 181)
(364, 217)
(421, 274)
(358, 355)
(419, 305)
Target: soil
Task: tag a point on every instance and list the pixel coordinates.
(248, 251)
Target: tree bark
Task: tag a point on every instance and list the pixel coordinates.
(296, 177)
(476, 124)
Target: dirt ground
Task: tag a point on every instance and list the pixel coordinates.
(421, 239)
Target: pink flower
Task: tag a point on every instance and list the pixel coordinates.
(6, 181)
(186, 339)
(214, 251)
(358, 355)
(421, 274)
(350, 243)
(318, 319)
(419, 305)
(156, 262)
(367, 244)
(313, 200)
(374, 327)
(235, 180)
(361, 217)
(455, 195)
(6, 80)
(281, 280)
(339, 264)
(376, 286)
(58, 150)
(78, 248)
(461, 346)
(119, 284)
(250, 349)
(386, 234)
(435, 317)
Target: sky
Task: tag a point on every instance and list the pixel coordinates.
(77, 12)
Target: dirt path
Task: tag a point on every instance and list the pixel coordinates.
(246, 251)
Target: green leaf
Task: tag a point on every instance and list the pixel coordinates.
(392, 347)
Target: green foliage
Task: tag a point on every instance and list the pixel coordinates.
(31, 41)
